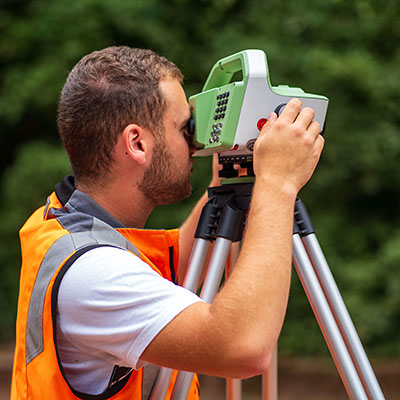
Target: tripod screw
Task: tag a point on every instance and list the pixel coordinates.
(250, 144)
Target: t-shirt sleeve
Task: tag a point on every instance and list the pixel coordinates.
(112, 304)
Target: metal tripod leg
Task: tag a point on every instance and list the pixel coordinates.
(270, 379)
(161, 384)
(336, 303)
(342, 317)
(210, 289)
(233, 389)
(197, 260)
(326, 321)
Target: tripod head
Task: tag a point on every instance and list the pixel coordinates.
(227, 116)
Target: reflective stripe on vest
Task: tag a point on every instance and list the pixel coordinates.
(58, 253)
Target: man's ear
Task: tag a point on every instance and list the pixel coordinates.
(137, 143)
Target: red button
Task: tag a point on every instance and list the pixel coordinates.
(261, 122)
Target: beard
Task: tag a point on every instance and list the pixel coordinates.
(164, 182)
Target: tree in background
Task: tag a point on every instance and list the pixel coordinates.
(347, 51)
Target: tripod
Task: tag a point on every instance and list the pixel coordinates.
(223, 220)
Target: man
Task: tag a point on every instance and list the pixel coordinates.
(93, 302)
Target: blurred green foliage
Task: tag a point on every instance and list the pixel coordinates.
(24, 185)
(348, 51)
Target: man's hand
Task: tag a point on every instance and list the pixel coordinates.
(288, 148)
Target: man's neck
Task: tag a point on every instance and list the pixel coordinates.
(126, 204)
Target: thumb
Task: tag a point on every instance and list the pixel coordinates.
(271, 119)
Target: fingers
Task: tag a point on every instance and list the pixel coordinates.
(320, 142)
(305, 117)
(270, 121)
(293, 113)
(291, 110)
(311, 134)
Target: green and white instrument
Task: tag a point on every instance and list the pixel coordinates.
(229, 115)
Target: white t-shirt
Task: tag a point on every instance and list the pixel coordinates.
(111, 305)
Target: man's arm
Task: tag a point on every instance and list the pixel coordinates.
(236, 334)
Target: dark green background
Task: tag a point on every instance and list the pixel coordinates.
(346, 50)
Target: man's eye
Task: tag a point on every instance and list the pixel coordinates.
(186, 135)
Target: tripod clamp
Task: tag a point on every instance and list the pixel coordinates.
(224, 215)
(302, 221)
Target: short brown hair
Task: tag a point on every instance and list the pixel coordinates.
(104, 92)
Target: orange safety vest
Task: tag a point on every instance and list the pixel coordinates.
(70, 224)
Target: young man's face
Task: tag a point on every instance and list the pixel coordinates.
(167, 180)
